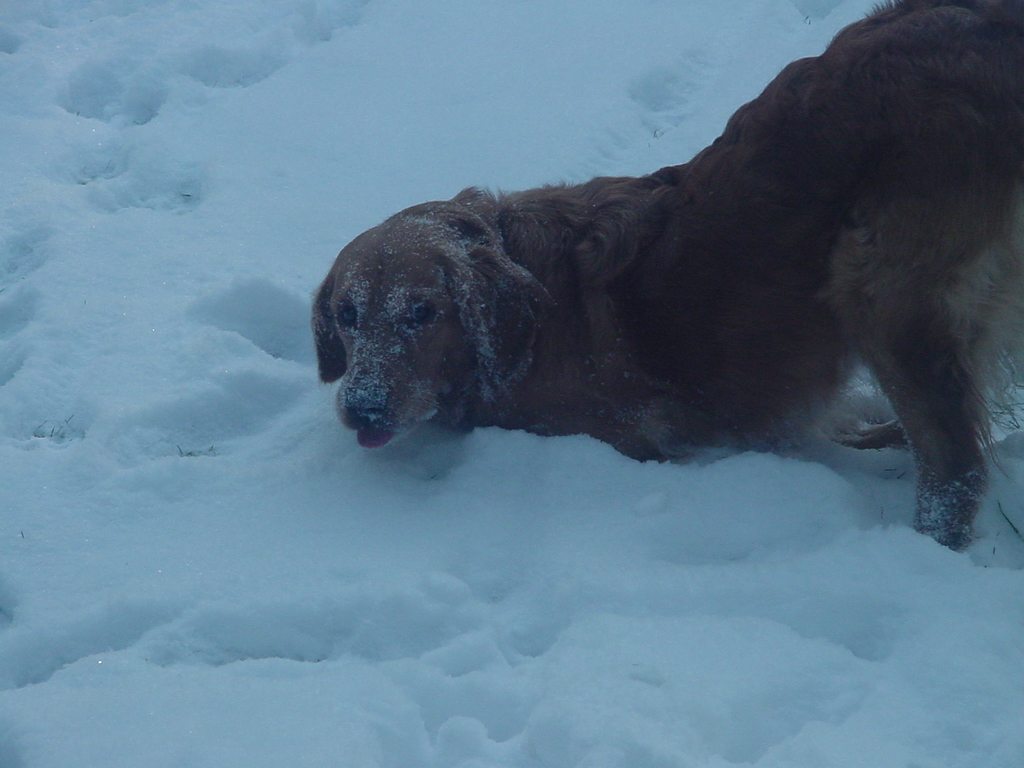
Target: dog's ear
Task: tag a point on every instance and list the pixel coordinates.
(330, 350)
(498, 300)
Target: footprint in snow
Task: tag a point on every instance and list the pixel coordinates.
(32, 654)
(17, 310)
(664, 98)
(319, 21)
(219, 67)
(390, 625)
(105, 158)
(10, 41)
(116, 179)
(116, 90)
(666, 94)
(816, 9)
(12, 360)
(205, 421)
(240, 66)
(23, 251)
(116, 175)
(273, 318)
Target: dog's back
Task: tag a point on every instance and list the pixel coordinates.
(869, 204)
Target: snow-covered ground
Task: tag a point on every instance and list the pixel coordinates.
(199, 567)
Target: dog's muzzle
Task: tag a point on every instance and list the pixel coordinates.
(364, 410)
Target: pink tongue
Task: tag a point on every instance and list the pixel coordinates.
(373, 438)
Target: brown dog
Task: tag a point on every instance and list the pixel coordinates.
(869, 205)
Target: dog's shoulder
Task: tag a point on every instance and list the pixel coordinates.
(587, 233)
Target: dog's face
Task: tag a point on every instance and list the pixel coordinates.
(408, 319)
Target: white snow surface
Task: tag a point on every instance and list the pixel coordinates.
(200, 567)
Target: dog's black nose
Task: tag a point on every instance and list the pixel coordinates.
(364, 407)
(363, 417)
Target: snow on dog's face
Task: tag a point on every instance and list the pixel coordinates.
(418, 314)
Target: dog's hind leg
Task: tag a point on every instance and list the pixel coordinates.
(914, 306)
(944, 417)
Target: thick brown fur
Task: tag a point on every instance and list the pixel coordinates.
(868, 205)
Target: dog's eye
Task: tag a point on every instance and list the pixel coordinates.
(347, 315)
(421, 314)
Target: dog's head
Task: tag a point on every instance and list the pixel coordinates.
(417, 314)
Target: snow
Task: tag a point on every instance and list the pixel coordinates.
(200, 567)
